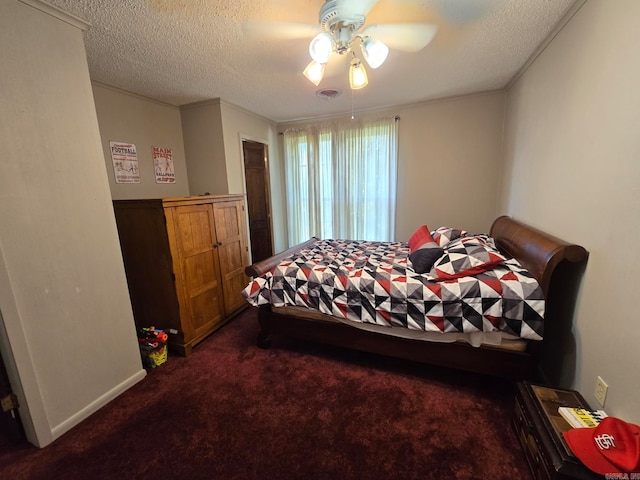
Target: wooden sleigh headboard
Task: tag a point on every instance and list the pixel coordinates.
(558, 267)
(538, 252)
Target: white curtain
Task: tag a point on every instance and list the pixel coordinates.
(341, 180)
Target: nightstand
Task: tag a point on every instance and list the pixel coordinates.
(539, 427)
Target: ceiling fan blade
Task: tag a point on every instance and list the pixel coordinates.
(283, 30)
(409, 37)
(351, 8)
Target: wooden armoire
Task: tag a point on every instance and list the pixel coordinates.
(184, 258)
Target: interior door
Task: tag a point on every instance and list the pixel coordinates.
(256, 171)
(198, 279)
(10, 424)
(232, 252)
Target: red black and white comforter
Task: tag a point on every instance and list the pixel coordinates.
(373, 282)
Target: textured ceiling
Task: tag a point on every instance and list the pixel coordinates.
(184, 51)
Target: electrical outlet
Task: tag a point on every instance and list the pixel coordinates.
(601, 391)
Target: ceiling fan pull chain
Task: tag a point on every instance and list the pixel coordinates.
(352, 115)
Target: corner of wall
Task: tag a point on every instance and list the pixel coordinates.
(204, 147)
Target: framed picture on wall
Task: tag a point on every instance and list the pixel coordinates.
(125, 162)
(163, 165)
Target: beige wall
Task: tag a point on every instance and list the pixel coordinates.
(239, 124)
(63, 293)
(449, 160)
(124, 117)
(572, 168)
(204, 147)
(449, 163)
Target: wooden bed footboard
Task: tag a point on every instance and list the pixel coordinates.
(267, 264)
(556, 264)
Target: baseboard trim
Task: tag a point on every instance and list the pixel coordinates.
(96, 405)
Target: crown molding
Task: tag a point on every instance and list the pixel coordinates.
(573, 9)
(58, 13)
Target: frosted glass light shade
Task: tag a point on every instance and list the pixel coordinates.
(375, 52)
(357, 75)
(321, 47)
(314, 72)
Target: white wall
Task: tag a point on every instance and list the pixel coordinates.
(449, 160)
(63, 292)
(572, 168)
(129, 118)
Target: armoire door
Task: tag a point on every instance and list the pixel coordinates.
(232, 252)
(196, 267)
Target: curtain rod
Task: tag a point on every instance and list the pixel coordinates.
(395, 117)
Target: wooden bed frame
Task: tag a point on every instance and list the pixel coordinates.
(557, 265)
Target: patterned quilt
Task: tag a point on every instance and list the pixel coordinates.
(373, 282)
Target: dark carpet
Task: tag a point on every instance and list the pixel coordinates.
(234, 411)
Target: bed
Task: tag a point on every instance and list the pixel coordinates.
(546, 268)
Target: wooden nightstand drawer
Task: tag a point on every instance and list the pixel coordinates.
(539, 428)
(530, 444)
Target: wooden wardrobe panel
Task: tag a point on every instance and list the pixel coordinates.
(148, 263)
(232, 250)
(185, 260)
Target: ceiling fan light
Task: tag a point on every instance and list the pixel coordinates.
(321, 47)
(375, 52)
(357, 75)
(314, 72)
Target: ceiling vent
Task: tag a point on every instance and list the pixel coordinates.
(329, 93)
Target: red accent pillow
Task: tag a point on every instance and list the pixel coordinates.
(421, 236)
(423, 250)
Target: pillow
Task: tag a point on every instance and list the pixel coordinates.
(423, 250)
(444, 235)
(466, 257)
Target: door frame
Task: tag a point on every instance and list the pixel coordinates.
(19, 366)
(265, 142)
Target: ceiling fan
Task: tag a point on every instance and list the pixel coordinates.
(342, 24)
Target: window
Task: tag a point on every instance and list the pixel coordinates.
(341, 180)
